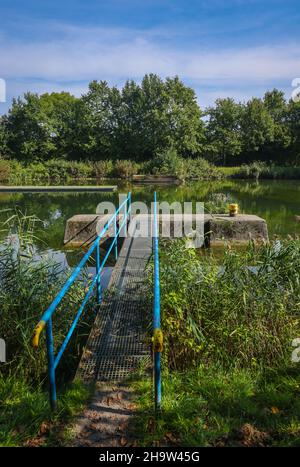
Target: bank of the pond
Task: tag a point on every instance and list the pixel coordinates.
(228, 329)
(64, 172)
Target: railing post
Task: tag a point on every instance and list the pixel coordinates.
(51, 369)
(129, 207)
(116, 239)
(157, 334)
(98, 272)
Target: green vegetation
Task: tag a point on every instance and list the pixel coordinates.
(25, 417)
(55, 171)
(165, 163)
(213, 406)
(228, 326)
(140, 122)
(28, 285)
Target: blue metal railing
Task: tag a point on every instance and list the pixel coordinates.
(157, 333)
(46, 319)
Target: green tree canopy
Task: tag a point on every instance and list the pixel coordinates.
(257, 127)
(37, 126)
(224, 130)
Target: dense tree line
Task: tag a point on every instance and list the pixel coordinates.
(140, 121)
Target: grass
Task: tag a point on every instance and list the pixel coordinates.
(228, 327)
(25, 416)
(211, 406)
(27, 287)
(242, 308)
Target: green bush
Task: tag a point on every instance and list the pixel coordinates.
(125, 169)
(103, 169)
(201, 169)
(168, 162)
(5, 170)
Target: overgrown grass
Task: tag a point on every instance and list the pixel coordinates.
(62, 171)
(213, 406)
(261, 170)
(228, 328)
(28, 285)
(25, 417)
(243, 308)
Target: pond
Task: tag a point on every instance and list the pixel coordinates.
(276, 201)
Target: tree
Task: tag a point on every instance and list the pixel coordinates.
(184, 124)
(257, 128)
(276, 105)
(37, 125)
(97, 121)
(3, 137)
(132, 132)
(61, 111)
(223, 130)
(158, 115)
(293, 122)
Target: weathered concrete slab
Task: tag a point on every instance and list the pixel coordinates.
(239, 229)
(209, 229)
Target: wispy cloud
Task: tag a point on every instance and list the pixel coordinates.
(71, 56)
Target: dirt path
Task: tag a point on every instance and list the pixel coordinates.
(107, 421)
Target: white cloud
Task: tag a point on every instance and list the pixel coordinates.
(73, 55)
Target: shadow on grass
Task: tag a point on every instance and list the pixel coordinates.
(214, 407)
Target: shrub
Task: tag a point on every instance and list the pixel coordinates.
(125, 168)
(201, 169)
(168, 162)
(254, 170)
(5, 170)
(80, 170)
(103, 168)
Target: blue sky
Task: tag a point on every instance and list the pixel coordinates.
(221, 48)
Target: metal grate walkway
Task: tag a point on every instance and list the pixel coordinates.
(117, 344)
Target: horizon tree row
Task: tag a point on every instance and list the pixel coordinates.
(141, 120)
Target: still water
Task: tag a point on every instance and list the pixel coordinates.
(276, 201)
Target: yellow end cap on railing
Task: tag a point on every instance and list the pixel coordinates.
(158, 339)
(37, 332)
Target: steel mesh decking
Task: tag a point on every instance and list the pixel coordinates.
(117, 344)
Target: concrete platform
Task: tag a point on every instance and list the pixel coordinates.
(214, 230)
(241, 229)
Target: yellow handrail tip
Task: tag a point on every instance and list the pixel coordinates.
(37, 332)
(158, 340)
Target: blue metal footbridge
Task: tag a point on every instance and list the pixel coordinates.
(117, 344)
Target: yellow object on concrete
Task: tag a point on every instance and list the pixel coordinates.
(233, 209)
(37, 332)
(158, 340)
